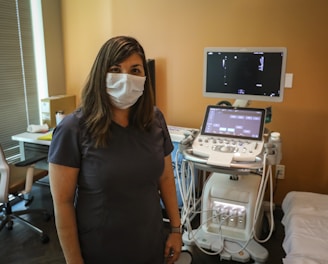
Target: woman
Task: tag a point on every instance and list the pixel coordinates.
(109, 165)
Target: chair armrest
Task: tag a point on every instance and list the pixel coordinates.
(31, 161)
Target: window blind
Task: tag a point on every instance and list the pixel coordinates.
(18, 86)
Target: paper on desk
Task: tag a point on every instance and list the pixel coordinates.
(47, 136)
(38, 128)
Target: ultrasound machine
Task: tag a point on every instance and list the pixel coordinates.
(227, 163)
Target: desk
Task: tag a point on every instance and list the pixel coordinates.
(30, 144)
(29, 141)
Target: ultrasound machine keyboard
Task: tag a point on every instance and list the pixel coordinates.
(221, 151)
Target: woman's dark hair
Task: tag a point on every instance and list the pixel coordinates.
(95, 101)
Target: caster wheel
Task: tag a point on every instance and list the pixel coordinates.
(10, 225)
(44, 238)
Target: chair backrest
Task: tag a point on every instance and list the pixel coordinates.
(4, 177)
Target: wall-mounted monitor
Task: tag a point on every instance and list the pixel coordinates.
(245, 73)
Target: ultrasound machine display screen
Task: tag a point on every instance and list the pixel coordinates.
(243, 123)
(249, 73)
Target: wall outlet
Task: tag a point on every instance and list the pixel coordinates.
(280, 171)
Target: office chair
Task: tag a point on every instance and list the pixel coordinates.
(17, 179)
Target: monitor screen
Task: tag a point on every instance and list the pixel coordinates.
(242, 123)
(250, 73)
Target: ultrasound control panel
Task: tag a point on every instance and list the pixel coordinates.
(237, 149)
(230, 134)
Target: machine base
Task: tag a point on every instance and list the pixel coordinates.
(228, 250)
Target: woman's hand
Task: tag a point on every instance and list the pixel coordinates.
(173, 247)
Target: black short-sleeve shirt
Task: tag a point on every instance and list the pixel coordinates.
(117, 200)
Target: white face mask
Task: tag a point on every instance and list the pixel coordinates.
(124, 89)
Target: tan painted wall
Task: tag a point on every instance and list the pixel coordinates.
(175, 33)
(53, 41)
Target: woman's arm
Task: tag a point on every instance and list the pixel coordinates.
(63, 181)
(168, 194)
